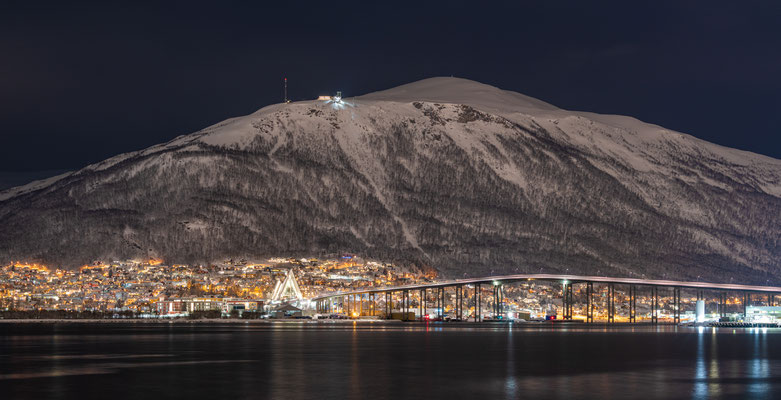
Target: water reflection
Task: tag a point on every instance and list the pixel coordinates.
(700, 372)
(759, 368)
(714, 389)
(511, 384)
(384, 361)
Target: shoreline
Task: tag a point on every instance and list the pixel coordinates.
(155, 321)
(196, 321)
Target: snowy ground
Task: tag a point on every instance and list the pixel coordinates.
(10, 179)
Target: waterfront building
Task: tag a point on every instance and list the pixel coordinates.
(224, 305)
(286, 311)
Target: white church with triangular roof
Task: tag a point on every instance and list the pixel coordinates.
(287, 289)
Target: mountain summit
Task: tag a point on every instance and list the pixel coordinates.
(445, 173)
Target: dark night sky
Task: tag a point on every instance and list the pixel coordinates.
(79, 84)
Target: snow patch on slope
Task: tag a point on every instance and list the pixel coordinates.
(32, 186)
(460, 91)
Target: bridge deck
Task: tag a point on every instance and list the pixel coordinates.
(569, 278)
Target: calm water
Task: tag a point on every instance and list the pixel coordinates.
(384, 361)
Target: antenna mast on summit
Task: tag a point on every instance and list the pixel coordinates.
(286, 100)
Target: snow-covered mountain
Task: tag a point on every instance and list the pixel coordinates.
(444, 172)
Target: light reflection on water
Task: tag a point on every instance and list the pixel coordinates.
(713, 387)
(510, 386)
(760, 369)
(754, 371)
(700, 377)
(386, 361)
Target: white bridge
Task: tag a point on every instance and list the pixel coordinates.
(477, 291)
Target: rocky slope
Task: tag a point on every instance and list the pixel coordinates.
(444, 172)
